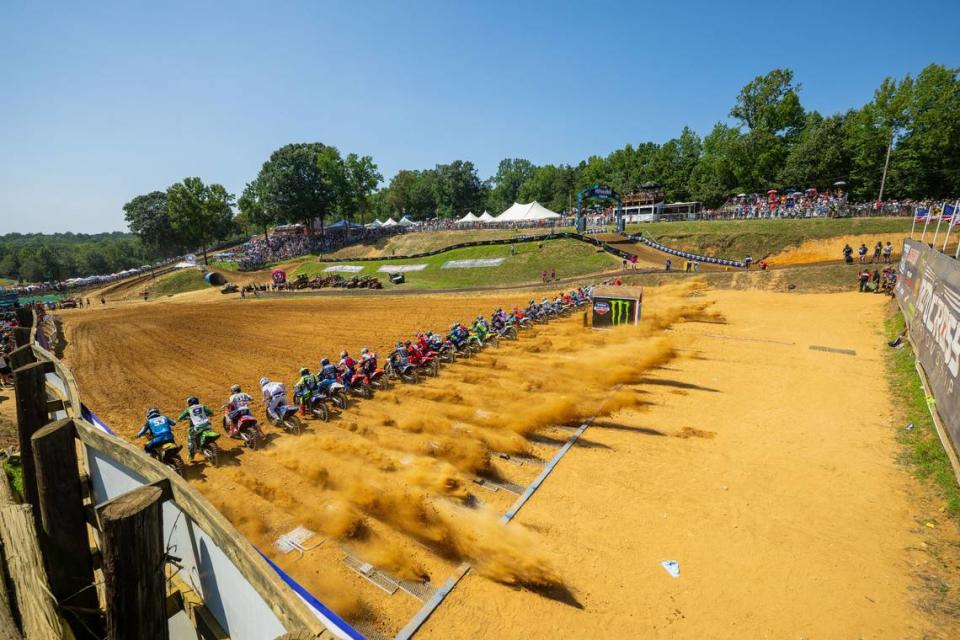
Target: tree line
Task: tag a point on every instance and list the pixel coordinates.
(38, 257)
(770, 141)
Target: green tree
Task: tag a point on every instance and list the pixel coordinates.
(301, 182)
(508, 181)
(253, 210)
(147, 216)
(458, 188)
(820, 156)
(361, 177)
(770, 102)
(199, 213)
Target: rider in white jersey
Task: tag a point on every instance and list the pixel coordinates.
(274, 396)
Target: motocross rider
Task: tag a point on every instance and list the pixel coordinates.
(347, 367)
(238, 405)
(481, 329)
(368, 362)
(274, 396)
(400, 357)
(158, 427)
(304, 387)
(199, 415)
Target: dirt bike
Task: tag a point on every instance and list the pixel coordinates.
(206, 442)
(520, 322)
(375, 379)
(334, 392)
(288, 419)
(407, 373)
(356, 384)
(168, 454)
(248, 429)
(316, 404)
(428, 363)
(491, 338)
(508, 331)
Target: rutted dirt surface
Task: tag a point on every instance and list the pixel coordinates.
(779, 495)
(831, 249)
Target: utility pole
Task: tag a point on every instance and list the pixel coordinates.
(886, 164)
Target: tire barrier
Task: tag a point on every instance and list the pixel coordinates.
(653, 244)
(549, 236)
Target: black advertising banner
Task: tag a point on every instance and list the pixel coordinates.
(928, 290)
(612, 312)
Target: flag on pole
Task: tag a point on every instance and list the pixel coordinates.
(918, 214)
(943, 209)
(926, 221)
(951, 210)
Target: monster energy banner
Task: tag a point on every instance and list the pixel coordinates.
(928, 290)
(615, 306)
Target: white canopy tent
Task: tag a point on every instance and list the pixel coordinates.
(526, 212)
(406, 222)
(467, 219)
(345, 224)
(389, 223)
(486, 217)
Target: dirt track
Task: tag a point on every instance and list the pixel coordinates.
(755, 462)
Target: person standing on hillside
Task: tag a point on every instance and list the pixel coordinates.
(862, 251)
(863, 276)
(877, 250)
(887, 252)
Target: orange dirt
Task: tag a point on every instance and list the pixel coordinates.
(788, 516)
(831, 249)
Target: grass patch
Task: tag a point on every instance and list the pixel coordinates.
(223, 265)
(522, 264)
(422, 241)
(180, 281)
(734, 239)
(922, 449)
(14, 472)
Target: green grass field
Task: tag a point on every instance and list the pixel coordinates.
(180, 281)
(422, 241)
(736, 238)
(568, 257)
(922, 450)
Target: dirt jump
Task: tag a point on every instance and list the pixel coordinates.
(718, 441)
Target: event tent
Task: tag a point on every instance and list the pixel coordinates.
(406, 222)
(373, 225)
(345, 224)
(525, 212)
(389, 223)
(467, 219)
(486, 217)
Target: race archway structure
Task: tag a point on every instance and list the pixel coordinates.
(598, 192)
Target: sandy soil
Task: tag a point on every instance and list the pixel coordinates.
(831, 249)
(766, 469)
(8, 418)
(732, 448)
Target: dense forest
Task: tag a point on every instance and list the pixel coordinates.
(769, 140)
(35, 257)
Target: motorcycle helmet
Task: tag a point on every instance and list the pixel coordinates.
(407, 343)
(235, 389)
(325, 362)
(192, 400)
(153, 412)
(364, 351)
(343, 354)
(264, 381)
(304, 371)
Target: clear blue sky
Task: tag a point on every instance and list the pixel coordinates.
(101, 101)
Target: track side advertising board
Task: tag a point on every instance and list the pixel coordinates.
(616, 306)
(928, 291)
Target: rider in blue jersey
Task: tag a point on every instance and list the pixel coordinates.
(159, 427)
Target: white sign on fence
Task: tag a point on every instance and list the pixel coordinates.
(470, 264)
(345, 268)
(401, 268)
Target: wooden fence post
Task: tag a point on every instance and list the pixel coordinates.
(63, 527)
(21, 357)
(133, 566)
(31, 393)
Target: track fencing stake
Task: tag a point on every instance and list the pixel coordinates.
(133, 566)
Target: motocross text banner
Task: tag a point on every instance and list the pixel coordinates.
(928, 290)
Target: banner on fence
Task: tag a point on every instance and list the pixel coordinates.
(928, 290)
